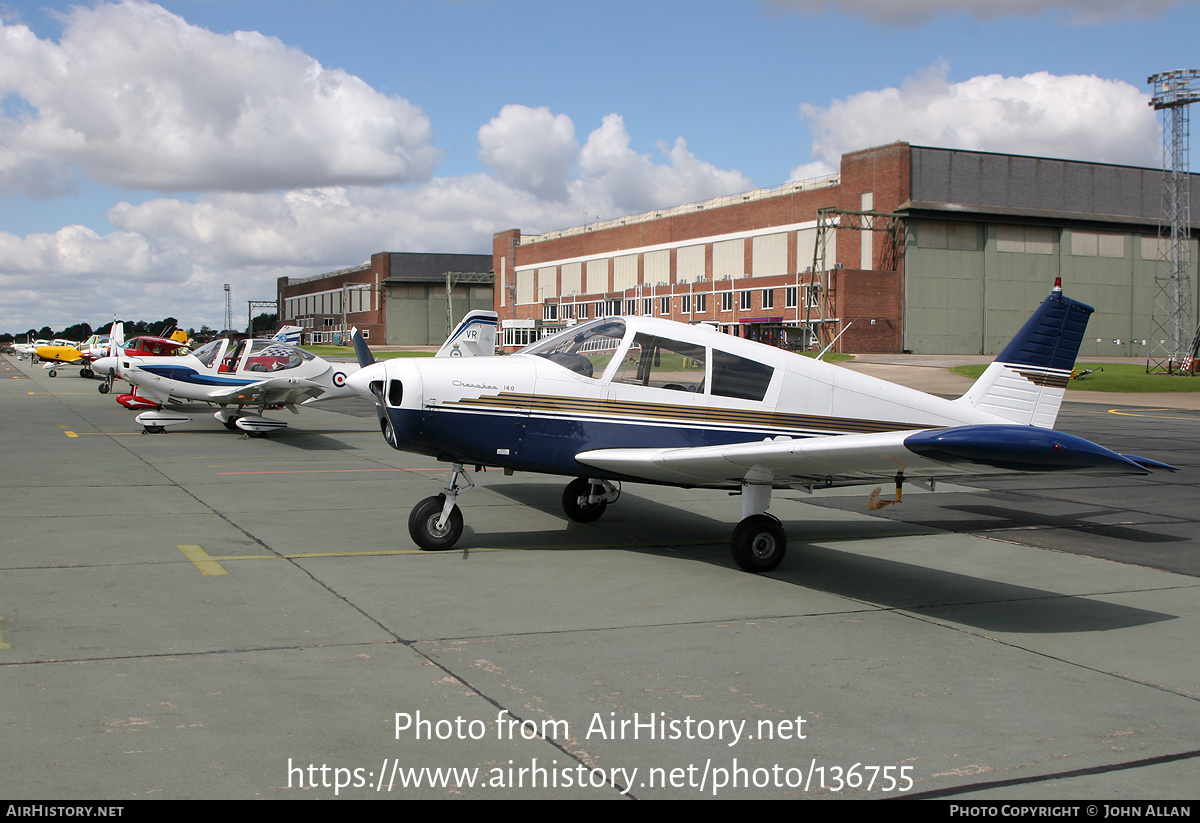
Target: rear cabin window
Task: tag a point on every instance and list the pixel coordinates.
(738, 377)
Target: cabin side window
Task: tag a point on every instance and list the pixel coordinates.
(738, 377)
(663, 364)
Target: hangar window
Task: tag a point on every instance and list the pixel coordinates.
(1026, 239)
(940, 234)
(1097, 244)
(738, 377)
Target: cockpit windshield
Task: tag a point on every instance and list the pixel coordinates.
(208, 352)
(271, 355)
(585, 349)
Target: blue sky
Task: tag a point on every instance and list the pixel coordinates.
(150, 153)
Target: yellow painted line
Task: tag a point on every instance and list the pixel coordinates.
(3, 645)
(198, 556)
(1152, 416)
(333, 471)
(204, 563)
(100, 434)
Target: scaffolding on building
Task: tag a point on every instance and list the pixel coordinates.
(453, 278)
(825, 326)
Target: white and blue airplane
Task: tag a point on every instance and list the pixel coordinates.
(641, 399)
(234, 375)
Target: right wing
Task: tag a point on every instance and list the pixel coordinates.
(958, 453)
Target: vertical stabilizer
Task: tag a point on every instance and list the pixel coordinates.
(1026, 382)
(475, 336)
(288, 334)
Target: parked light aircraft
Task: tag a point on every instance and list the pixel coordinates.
(233, 375)
(650, 400)
(144, 345)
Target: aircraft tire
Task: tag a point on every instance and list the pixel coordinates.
(54, 372)
(103, 388)
(422, 525)
(153, 429)
(230, 422)
(577, 511)
(758, 544)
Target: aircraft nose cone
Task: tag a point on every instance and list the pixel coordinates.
(362, 379)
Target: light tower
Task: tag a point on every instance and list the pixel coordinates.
(1175, 337)
(228, 309)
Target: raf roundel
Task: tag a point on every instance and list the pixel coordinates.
(339, 379)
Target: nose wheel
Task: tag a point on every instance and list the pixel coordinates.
(436, 523)
(431, 530)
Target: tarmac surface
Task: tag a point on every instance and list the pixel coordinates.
(200, 614)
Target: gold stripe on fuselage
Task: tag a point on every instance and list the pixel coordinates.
(622, 411)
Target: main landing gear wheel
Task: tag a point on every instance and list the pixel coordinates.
(423, 524)
(758, 543)
(575, 501)
(153, 429)
(230, 422)
(54, 372)
(86, 372)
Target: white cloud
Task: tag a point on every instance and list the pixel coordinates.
(917, 12)
(615, 180)
(1075, 117)
(136, 97)
(168, 252)
(530, 149)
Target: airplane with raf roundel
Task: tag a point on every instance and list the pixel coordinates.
(642, 399)
(234, 375)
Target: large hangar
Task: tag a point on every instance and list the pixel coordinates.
(397, 298)
(906, 248)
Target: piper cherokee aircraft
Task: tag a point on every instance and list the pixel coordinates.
(231, 374)
(650, 400)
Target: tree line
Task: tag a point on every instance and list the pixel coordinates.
(263, 324)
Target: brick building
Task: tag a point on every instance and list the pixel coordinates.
(398, 298)
(906, 248)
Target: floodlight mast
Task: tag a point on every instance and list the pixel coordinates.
(1170, 349)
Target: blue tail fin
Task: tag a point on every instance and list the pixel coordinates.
(1027, 381)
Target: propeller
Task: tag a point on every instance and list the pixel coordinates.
(365, 359)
